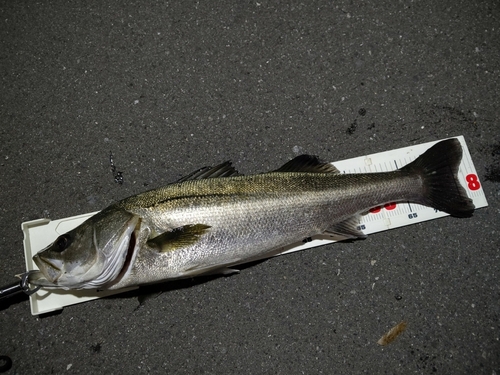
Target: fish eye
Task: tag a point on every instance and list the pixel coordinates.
(62, 243)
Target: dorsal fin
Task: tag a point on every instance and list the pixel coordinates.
(222, 170)
(307, 163)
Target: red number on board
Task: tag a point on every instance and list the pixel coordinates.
(472, 182)
(387, 206)
(390, 206)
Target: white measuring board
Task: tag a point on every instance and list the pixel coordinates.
(40, 233)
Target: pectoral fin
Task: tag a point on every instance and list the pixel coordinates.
(178, 238)
(347, 228)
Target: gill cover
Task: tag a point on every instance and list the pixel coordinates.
(89, 256)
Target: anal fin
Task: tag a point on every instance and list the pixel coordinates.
(347, 228)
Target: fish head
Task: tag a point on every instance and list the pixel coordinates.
(89, 256)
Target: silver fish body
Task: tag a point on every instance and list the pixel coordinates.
(215, 218)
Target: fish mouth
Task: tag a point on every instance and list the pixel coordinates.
(38, 278)
(51, 270)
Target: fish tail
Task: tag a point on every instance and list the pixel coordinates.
(438, 169)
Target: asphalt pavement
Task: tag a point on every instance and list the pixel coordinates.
(168, 87)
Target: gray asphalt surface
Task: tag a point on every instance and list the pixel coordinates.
(169, 87)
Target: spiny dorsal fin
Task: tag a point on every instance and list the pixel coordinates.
(347, 228)
(307, 163)
(178, 238)
(222, 170)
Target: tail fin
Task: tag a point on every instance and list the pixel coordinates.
(438, 168)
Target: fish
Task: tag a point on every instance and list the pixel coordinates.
(216, 218)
